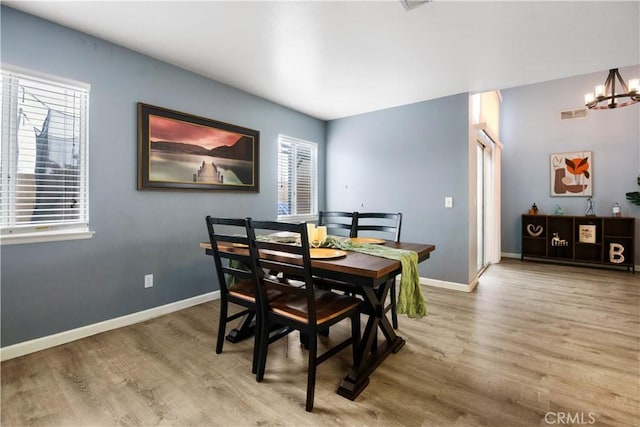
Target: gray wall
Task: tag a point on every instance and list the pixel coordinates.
(407, 159)
(531, 130)
(53, 287)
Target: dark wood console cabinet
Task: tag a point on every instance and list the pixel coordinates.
(587, 239)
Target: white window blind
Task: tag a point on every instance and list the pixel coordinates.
(44, 156)
(297, 178)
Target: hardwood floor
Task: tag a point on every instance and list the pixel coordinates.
(535, 344)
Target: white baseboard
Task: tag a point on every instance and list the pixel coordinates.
(449, 285)
(512, 255)
(42, 343)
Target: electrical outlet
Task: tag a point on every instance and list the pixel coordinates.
(448, 202)
(148, 280)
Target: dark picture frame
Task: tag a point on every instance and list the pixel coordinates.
(179, 151)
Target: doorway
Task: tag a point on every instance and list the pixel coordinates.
(483, 203)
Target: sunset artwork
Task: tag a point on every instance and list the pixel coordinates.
(571, 174)
(183, 151)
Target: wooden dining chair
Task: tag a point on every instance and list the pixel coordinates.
(338, 223)
(386, 226)
(303, 307)
(235, 276)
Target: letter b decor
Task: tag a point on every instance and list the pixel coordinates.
(615, 253)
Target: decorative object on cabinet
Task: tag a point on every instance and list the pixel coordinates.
(535, 230)
(608, 241)
(178, 151)
(587, 233)
(558, 210)
(615, 253)
(615, 210)
(533, 210)
(557, 241)
(590, 207)
(571, 174)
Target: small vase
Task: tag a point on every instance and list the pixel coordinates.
(590, 208)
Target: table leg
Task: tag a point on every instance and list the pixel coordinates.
(246, 329)
(371, 354)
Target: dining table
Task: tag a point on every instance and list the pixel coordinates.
(373, 275)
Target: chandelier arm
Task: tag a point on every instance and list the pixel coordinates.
(625, 89)
(611, 88)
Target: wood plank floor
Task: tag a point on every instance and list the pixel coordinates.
(532, 339)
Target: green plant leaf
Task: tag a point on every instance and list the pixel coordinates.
(634, 197)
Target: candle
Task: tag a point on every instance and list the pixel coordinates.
(634, 85)
(321, 234)
(588, 98)
(311, 231)
(599, 90)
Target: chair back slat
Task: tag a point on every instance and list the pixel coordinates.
(338, 223)
(279, 247)
(374, 223)
(290, 269)
(236, 272)
(232, 238)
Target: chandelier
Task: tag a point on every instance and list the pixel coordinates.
(607, 92)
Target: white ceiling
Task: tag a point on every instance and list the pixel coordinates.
(341, 58)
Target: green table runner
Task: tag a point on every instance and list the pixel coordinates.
(410, 299)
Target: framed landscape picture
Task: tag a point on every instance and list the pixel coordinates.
(179, 151)
(571, 174)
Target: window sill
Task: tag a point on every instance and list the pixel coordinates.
(49, 236)
(298, 218)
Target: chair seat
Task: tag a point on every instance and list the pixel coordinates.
(329, 305)
(246, 290)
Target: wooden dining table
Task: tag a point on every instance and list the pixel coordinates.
(373, 275)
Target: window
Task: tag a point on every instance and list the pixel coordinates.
(297, 179)
(43, 158)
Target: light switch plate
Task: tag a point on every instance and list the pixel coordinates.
(448, 202)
